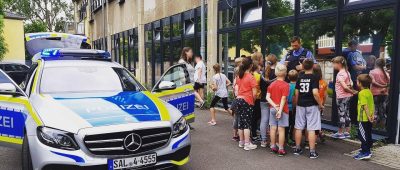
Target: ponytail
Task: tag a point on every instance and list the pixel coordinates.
(380, 63)
(246, 64)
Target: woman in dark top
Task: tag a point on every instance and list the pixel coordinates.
(266, 79)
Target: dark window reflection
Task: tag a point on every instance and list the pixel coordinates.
(316, 5)
(280, 8)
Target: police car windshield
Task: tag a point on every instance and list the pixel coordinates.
(86, 79)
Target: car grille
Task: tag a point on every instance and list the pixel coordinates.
(113, 143)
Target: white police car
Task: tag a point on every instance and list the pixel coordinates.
(80, 110)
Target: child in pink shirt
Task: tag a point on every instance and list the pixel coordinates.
(344, 92)
(380, 89)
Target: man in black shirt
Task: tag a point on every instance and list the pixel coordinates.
(307, 110)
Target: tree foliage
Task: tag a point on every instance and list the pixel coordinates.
(36, 26)
(54, 13)
(3, 45)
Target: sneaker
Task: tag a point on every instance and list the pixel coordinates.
(314, 155)
(256, 139)
(250, 146)
(263, 144)
(346, 134)
(291, 143)
(338, 136)
(361, 156)
(281, 152)
(297, 151)
(241, 144)
(274, 150)
(235, 138)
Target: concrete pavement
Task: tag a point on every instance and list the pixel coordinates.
(212, 148)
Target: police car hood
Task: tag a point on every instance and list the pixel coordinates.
(71, 112)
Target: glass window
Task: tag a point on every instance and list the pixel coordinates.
(166, 28)
(250, 41)
(158, 60)
(374, 43)
(227, 51)
(167, 55)
(277, 39)
(316, 5)
(227, 17)
(177, 29)
(86, 79)
(358, 2)
(148, 66)
(177, 75)
(280, 8)
(253, 14)
(176, 51)
(318, 36)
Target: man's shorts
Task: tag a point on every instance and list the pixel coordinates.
(309, 117)
(282, 122)
(198, 86)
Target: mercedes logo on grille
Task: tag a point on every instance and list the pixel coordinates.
(132, 142)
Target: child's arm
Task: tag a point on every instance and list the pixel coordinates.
(370, 116)
(346, 87)
(282, 104)
(228, 82)
(272, 103)
(316, 97)
(295, 97)
(376, 83)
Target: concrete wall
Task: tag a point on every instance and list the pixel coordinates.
(14, 38)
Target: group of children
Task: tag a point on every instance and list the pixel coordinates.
(291, 103)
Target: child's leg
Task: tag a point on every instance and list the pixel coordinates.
(273, 135)
(300, 124)
(212, 107)
(365, 136)
(281, 131)
(241, 135)
(264, 121)
(311, 139)
(347, 114)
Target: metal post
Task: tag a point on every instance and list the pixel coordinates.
(203, 31)
(394, 116)
(104, 24)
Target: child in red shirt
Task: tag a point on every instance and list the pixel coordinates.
(277, 95)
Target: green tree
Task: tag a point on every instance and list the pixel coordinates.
(36, 26)
(54, 13)
(3, 45)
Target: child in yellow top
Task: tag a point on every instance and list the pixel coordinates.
(365, 116)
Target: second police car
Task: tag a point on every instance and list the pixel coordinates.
(80, 110)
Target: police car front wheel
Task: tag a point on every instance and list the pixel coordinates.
(26, 155)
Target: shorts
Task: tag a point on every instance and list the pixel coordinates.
(282, 122)
(216, 99)
(198, 86)
(309, 117)
(244, 112)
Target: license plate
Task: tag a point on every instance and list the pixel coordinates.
(132, 162)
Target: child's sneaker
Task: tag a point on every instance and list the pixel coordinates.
(314, 155)
(249, 146)
(274, 150)
(291, 143)
(361, 156)
(338, 136)
(241, 144)
(263, 144)
(235, 138)
(281, 152)
(346, 134)
(297, 151)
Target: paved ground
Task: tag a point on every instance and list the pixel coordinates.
(386, 155)
(212, 148)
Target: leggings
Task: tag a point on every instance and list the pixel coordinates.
(380, 106)
(264, 120)
(255, 118)
(343, 110)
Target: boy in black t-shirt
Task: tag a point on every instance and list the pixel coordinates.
(308, 108)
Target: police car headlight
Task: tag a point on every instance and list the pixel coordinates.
(180, 127)
(56, 138)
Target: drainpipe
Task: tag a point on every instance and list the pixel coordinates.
(202, 42)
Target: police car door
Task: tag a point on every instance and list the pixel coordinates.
(175, 88)
(14, 108)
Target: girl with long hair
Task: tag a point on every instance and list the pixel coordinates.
(380, 89)
(244, 102)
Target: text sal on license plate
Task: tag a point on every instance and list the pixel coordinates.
(132, 162)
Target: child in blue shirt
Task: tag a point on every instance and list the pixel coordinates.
(292, 76)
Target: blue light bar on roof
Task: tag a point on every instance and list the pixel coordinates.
(51, 52)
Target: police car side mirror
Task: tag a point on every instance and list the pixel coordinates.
(166, 85)
(9, 89)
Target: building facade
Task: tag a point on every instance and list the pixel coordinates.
(14, 37)
(147, 36)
